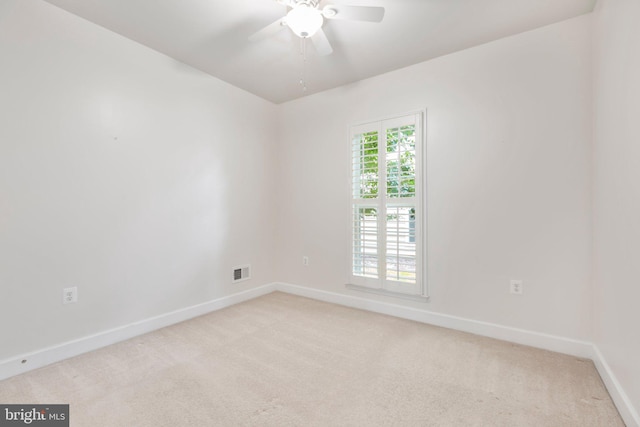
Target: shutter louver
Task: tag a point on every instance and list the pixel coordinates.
(365, 242)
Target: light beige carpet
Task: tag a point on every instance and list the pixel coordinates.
(282, 360)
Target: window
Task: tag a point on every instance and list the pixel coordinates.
(386, 205)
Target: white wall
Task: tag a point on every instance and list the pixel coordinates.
(508, 135)
(616, 204)
(143, 181)
(137, 179)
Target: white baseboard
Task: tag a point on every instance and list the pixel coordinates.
(46, 356)
(521, 336)
(627, 411)
(492, 330)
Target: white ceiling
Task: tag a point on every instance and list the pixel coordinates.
(211, 35)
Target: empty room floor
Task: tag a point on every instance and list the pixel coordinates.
(284, 360)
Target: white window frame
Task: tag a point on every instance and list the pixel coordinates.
(382, 285)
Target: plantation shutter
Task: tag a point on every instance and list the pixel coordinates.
(386, 205)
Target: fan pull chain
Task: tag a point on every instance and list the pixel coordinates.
(303, 52)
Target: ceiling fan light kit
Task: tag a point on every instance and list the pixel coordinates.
(304, 20)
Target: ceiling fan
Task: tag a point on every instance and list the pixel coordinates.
(305, 19)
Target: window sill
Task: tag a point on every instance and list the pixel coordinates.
(419, 298)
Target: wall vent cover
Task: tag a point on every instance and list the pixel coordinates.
(241, 273)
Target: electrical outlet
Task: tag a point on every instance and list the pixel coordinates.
(516, 287)
(305, 261)
(70, 295)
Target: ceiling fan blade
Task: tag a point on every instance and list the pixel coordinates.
(354, 13)
(268, 31)
(321, 43)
